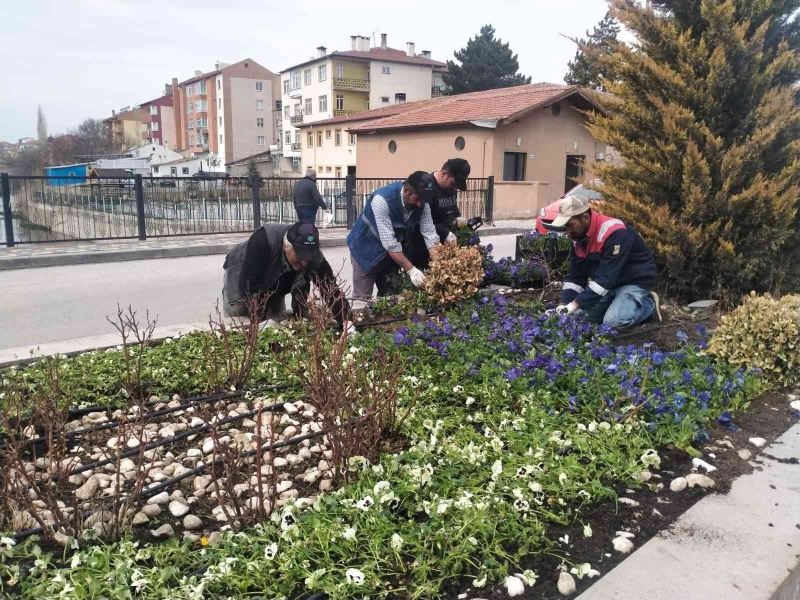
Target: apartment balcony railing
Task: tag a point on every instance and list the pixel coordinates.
(296, 119)
(347, 83)
(342, 112)
(437, 90)
(295, 93)
(296, 146)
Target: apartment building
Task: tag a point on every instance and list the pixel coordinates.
(346, 82)
(228, 113)
(159, 120)
(126, 127)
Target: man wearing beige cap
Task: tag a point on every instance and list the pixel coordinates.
(612, 271)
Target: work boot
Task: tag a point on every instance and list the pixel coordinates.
(657, 302)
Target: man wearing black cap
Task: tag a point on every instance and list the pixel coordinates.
(448, 180)
(277, 260)
(377, 240)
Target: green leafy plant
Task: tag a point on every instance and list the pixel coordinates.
(764, 333)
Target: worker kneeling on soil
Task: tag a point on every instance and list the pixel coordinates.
(381, 233)
(612, 271)
(277, 260)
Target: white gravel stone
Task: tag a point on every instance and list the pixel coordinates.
(194, 453)
(312, 476)
(725, 444)
(163, 531)
(289, 494)
(178, 508)
(191, 522)
(698, 480)
(625, 534)
(88, 489)
(628, 501)
(196, 422)
(208, 446)
(151, 510)
(745, 454)
(678, 484)
(140, 518)
(290, 408)
(282, 486)
(699, 463)
(795, 405)
(622, 545)
(514, 586)
(758, 442)
(280, 462)
(566, 584)
(161, 498)
(241, 488)
(325, 485)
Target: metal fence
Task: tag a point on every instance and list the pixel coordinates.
(151, 207)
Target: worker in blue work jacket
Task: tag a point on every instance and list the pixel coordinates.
(612, 271)
(378, 235)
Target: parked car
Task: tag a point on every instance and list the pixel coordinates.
(550, 212)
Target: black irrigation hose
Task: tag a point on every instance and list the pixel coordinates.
(658, 327)
(152, 491)
(158, 413)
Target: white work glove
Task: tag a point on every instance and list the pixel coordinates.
(417, 277)
(451, 238)
(461, 222)
(563, 309)
(349, 328)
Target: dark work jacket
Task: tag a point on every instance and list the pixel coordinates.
(611, 255)
(306, 195)
(258, 266)
(444, 209)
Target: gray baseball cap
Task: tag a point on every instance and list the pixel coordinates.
(569, 207)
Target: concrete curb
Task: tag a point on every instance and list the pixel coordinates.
(212, 248)
(743, 545)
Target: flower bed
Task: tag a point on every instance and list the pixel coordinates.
(523, 424)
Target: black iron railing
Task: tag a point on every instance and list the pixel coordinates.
(51, 209)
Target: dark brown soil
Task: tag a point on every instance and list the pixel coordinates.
(768, 417)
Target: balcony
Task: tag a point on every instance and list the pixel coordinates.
(436, 90)
(296, 146)
(296, 93)
(296, 119)
(343, 113)
(355, 85)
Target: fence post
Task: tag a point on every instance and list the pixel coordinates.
(349, 196)
(139, 190)
(254, 184)
(490, 200)
(7, 214)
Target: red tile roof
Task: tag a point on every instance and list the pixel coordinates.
(365, 115)
(376, 53)
(504, 104)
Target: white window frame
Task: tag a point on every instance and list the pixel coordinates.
(259, 105)
(309, 106)
(295, 80)
(260, 122)
(261, 140)
(259, 86)
(286, 86)
(288, 137)
(184, 170)
(307, 77)
(339, 71)
(337, 137)
(386, 70)
(153, 109)
(323, 103)
(322, 72)
(339, 102)
(352, 139)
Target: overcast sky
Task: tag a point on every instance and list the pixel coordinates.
(82, 58)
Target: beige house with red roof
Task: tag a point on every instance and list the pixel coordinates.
(532, 139)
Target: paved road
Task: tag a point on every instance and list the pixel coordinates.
(62, 303)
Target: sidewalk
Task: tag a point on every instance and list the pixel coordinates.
(52, 254)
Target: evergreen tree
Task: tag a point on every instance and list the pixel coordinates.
(703, 115)
(586, 70)
(252, 169)
(41, 125)
(486, 63)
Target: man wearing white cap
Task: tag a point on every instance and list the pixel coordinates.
(612, 271)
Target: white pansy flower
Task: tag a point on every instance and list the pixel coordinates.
(604, 425)
(472, 540)
(592, 427)
(535, 487)
(76, 561)
(587, 531)
(271, 551)
(365, 503)
(7, 542)
(469, 401)
(443, 505)
(381, 487)
(396, 542)
(497, 469)
(458, 389)
(349, 533)
(479, 583)
(312, 580)
(528, 577)
(521, 505)
(496, 444)
(354, 576)
(562, 478)
(650, 458)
